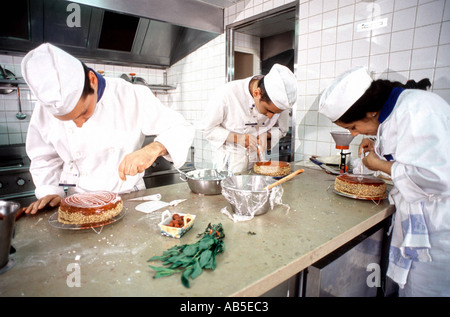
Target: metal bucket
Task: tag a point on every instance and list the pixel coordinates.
(205, 181)
(8, 210)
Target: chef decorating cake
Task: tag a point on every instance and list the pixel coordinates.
(86, 132)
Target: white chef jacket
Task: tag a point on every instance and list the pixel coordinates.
(232, 109)
(416, 135)
(125, 114)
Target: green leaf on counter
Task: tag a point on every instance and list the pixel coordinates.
(191, 259)
(162, 271)
(212, 263)
(190, 250)
(205, 257)
(205, 243)
(185, 276)
(157, 258)
(197, 270)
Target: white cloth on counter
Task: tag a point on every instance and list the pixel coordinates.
(151, 206)
(153, 203)
(235, 217)
(125, 114)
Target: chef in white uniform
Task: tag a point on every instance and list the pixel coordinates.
(86, 131)
(412, 145)
(246, 115)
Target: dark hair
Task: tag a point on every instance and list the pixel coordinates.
(376, 96)
(264, 95)
(87, 89)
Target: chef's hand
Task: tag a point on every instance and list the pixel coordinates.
(246, 140)
(263, 142)
(47, 201)
(140, 160)
(365, 146)
(262, 146)
(374, 163)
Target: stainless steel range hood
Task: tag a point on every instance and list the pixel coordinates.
(151, 33)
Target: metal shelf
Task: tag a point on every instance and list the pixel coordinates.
(161, 87)
(141, 81)
(14, 82)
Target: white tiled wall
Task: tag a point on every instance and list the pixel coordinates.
(196, 77)
(12, 130)
(414, 44)
(199, 74)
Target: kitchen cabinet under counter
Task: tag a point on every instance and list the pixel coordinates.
(260, 254)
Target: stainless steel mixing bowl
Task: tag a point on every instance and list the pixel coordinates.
(205, 181)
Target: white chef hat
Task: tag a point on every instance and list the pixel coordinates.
(343, 92)
(55, 77)
(281, 86)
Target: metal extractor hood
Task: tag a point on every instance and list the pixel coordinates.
(151, 33)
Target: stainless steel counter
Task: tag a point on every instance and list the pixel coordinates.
(259, 254)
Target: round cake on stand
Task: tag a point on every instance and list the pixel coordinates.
(367, 187)
(272, 168)
(89, 208)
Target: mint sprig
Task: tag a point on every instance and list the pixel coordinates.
(191, 259)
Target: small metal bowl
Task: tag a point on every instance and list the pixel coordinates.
(205, 181)
(247, 194)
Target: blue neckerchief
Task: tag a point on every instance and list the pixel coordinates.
(387, 110)
(388, 157)
(390, 104)
(101, 84)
